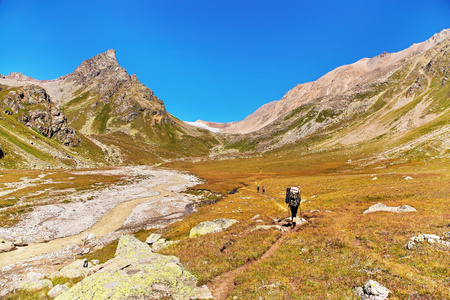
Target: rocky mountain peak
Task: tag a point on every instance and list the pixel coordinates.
(100, 67)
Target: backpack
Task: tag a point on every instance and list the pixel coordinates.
(293, 196)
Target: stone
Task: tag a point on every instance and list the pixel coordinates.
(35, 276)
(410, 245)
(372, 290)
(57, 290)
(431, 236)
(19, 243)
(408, 178)
(383, 207)
(36, 285)
(266, 227)
(152, 238)
(211, 227)
(6, 246)
(76, 269)
(446, 234)
(137, 273)
(160, 244)
(88, 236)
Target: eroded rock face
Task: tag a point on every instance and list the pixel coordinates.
(35, 110)
(211, 227)
(138, 273)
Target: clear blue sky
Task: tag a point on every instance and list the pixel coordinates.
(206, 59)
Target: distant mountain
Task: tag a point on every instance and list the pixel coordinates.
(110, 117)
(391, 94)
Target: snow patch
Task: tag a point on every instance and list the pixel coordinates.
(201, 125)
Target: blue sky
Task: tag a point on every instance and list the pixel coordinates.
(206, 59)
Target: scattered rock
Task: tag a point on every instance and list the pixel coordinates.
(372, 290)
(137, 273)
(266, 227)
(384, 207)
(6, 246)
(211, 227)
(430, 238)
(88, 236)
(152, 238)
(57, 290)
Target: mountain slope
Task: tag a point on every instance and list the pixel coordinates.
(402, 96)
(115, 118)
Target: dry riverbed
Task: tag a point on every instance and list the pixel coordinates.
(53, 233)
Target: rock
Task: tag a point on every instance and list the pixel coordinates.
(410, 245)
(160, 244)
(36, 285)
(19, 243)
(95, 262)
(138, 273)
(35, 276)
(266, 227)
(88, 236)
(372, 290)
(384, 207)
(408, 178)
(446, 234)
(6, 246)
(375, 178)
(57, 290)
(211, 227)
(75, 269)
(431, 236)
(152, 238)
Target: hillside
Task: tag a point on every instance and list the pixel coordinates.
(393, 96)
(112, 118)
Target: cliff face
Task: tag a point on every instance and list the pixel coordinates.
(34, 108)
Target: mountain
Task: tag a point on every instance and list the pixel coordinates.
(106, 115)
(390, 95)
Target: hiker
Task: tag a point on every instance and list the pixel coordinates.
(257, 188)
(263, 189)
(293, 200)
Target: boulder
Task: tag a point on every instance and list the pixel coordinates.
(384, 207)
(35, 276)
(6, 246)
(75, 269)
(36, 285)
(57, 290)
(372, 290)
(19, 243)
(211, 227)
(160, 244)
(137, 273)
(152, 238)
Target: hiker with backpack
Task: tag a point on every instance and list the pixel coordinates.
(263, 189)
(293, 200)
(257, 188)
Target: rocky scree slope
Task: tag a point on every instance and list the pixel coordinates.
(391, 95)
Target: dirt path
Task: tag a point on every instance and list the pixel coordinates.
(223, 284)
(110, 222)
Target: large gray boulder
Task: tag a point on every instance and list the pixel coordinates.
(372, 290)
(137, 273)
(74, 270)
(384, 207)
(211, 227)
(57, 290)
